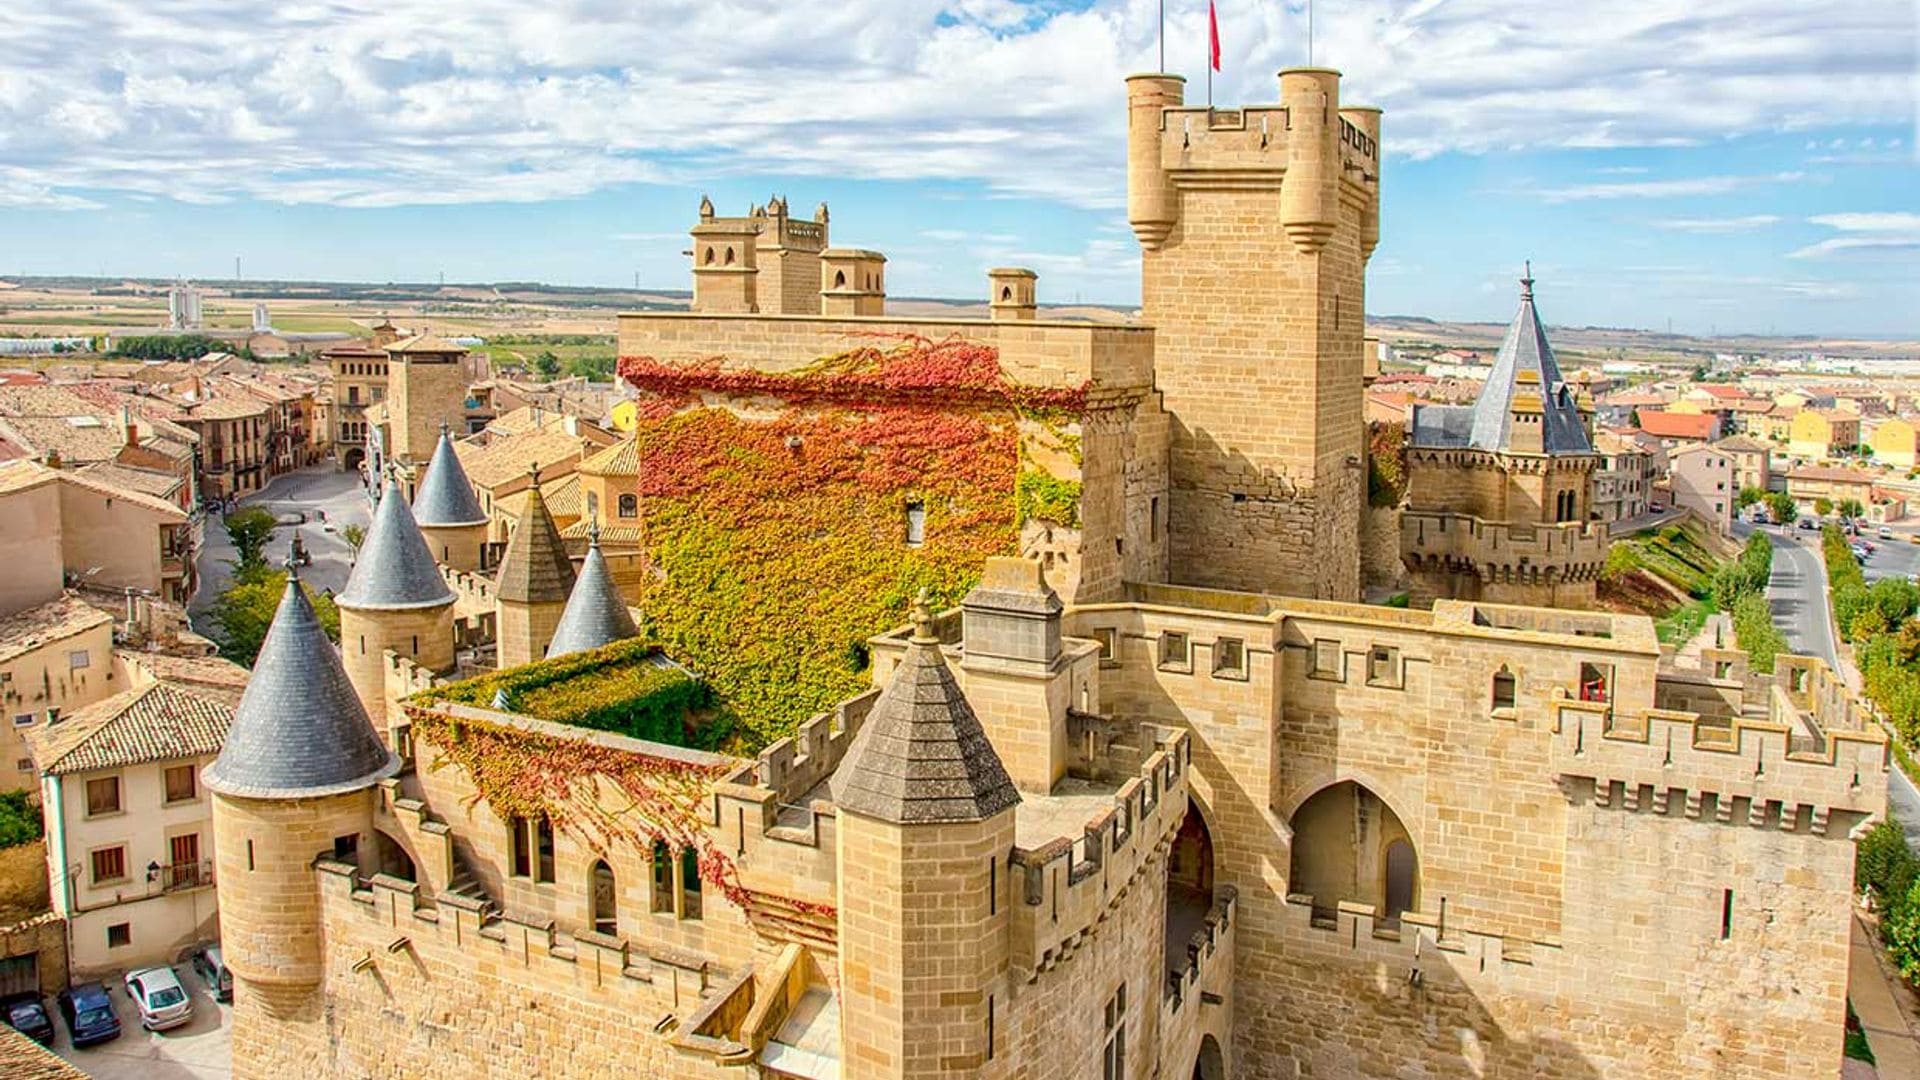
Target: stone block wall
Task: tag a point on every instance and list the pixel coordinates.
(422, 635)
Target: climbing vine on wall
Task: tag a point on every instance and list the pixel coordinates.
(779, 535)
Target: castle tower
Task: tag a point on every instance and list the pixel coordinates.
(447, 511)
(1010, 293)
(426, 388)
(395, 600)
(1498, 492)
(596, 613)
(1013, 659)
(536, 579)
(789, 260)
(1255, 226)
(925, 819)
(725, 270)
(294, 782)
(854, 282)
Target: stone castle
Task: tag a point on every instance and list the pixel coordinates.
(1158, 797)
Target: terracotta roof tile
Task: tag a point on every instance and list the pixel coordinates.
(156, 722)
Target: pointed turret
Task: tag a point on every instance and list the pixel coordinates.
(922, 755)
(536, 578)
(395, 601)
(1526, 406)
(596, 613)
(299, 730)
(449, 513)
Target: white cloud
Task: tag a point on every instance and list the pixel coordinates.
(394, 102)
(1664, 189)
(1865, 233)
(1747, 223)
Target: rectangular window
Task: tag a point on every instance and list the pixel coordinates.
(22, 719)
(1113, 1055)
(1596, 681)
(347, 848)
(119, 935)
(1229, 658)
(690, 882)
(110, 865)
(1383, 666)
(78, 659)
(545, 840)
(521, 854)
(1109, 639)
(182, 785)
(1726, 914)
(25, 764)
(1504, 689)
(916, 523)
(1176, 651)
(184, 853)
(662, 877)
(103, 795)
(1328, 660)
(53, 716)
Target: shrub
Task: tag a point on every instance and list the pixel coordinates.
(1883, 865)
(618, 688)
(20, 821)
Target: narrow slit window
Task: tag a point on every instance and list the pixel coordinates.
(1503, 688)
(1726, 914)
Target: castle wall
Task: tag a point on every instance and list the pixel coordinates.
(423, 635)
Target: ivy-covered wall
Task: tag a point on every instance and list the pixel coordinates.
(776, 507)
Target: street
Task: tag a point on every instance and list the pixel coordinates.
(287, 496)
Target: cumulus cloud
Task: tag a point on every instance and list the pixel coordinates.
(365, 103)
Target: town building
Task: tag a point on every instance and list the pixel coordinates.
(359, 379)
(1675, 430)
(1752, 461)
(1630, 462)
(1153, 795)
(1822, 434)
(1896, 443)
(129, 837)
(67, 526)
(1810, 485)
(56, 658)
(1701, 478)
(1499, 493)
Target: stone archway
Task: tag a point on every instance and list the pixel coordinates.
(1210, 1064)
(1348, 844)
(351, 460)
(1190, 875)
(392, 858)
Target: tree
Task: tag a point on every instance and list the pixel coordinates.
(250, 529)
(1780, 507)
(20, 821)
(1822, 506)
(546, 365)
(354, 534)
(244, 611)
(1852, 508)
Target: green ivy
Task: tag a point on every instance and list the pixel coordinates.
(1042, 496)
(619, 688)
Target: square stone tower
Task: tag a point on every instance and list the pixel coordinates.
(426, 387)
(1256, 225)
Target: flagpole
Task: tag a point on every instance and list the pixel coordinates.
(1309, 33)
(1163, 36)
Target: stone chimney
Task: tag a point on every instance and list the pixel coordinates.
(1010, 293)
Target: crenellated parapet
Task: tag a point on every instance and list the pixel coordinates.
(1502, 551)
(1781, 772)
(1066, 885)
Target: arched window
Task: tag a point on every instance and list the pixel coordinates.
(1503, 688)
(709, 257)
(629, 506)
(1006, 293)
(729, 257)
(839, 279)
(606, 918)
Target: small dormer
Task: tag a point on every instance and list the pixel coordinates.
(852, 282)
(1011, 293)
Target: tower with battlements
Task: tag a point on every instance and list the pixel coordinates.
(1498, 492)
(1255, 226)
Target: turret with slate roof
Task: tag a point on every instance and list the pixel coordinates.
(925, 812)
(536, 579)
(449, 514)
(596, 613)
(395, 601)
(294, 783)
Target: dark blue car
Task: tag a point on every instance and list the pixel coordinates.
(26, 1014)
(89, 1014)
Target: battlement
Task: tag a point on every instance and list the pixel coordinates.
(1068, 879)
(1214, 937)
(1567, 551)
(1248, 147)
(1786, 772)
(1405, 949)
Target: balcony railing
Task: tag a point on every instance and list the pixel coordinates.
(188, 875)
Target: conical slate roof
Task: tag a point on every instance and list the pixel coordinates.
(596, 614)
(395, 569)
(1525, 358)
(445, 496)
(299, 730)
(922, 757)
(535, 569)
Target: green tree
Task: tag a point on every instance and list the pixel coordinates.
(1852, 508)
(1822, 506)
(596, 368)
(546, 365)
(1780, 507)
(1748, 496)
(354, 534)
(1900, 929)
(20, 821)
(250, 529)
(243, 612)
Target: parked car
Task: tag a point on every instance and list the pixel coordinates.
(26, 1013)
(162, 1000)
(1885, 533)
(88, 1013)
(211, 965)
(1808, 524)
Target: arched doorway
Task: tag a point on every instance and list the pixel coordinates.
(1349, 845)
(1189, 885)
(350, 462)
(1210, 1064)
(392, 859)
(606, 906)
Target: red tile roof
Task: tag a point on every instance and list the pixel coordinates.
(1669, 425)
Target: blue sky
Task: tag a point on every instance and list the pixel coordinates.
(1729, 165)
